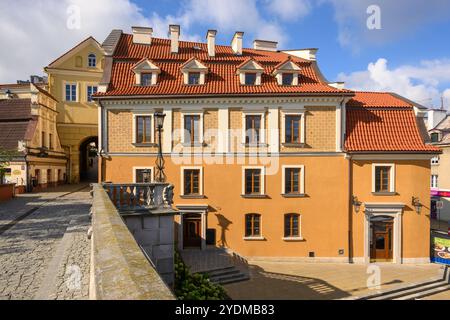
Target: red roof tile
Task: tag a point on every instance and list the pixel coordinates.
(377, 99)
(221, 79)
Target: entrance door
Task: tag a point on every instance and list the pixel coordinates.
(192, 230)
(381, 242)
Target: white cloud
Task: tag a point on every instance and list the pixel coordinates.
(289, 10)
(420, 83)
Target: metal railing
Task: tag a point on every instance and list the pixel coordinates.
(140, 196)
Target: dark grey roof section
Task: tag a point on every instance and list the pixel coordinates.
(107, 69)
(444, 125)
(15, 109)
(419, 106)
(111, 41)
(423, 131)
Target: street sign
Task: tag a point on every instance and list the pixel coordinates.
(439, 204)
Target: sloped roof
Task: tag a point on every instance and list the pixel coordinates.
(221, 78)
(15, 109)
(380, 122)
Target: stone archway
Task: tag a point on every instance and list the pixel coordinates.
(89, 159)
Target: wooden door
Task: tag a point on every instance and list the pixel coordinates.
(382, 242)
(192, 231)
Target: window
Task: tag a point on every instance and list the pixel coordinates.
(143, 175)
(383, 178)
(291, 225)
(435, 137)
(250, 78)
(71, 92)
(50, 141)
(293, 129)
(143, 129)
(252, 129)
(92, 60)
(292, 180)
(194, 78)
(192, 129)
(90, 91)
(252, 181)
(43, 144)
(434, 181)
(288, 79)
(191, 182)
(252, 225)
(435, 161)
(146, 79)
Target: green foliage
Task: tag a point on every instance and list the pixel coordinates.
(195, 286)
(6, 156)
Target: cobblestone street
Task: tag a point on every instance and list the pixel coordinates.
(44, 250)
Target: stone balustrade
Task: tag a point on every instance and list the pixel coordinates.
(119, 268)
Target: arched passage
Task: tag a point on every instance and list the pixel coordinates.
(89, 160)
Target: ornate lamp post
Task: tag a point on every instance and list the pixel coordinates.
(160, 175)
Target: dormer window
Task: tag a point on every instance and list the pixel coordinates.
(250, 78)
(250, 72)
(92, 60)
(194, 78)
(287, 79)
(194, 72)
(287, 73)
(146, 79)
(146, 72)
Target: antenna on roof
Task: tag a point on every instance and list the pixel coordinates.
(442, 102)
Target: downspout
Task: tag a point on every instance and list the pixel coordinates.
(101, 160)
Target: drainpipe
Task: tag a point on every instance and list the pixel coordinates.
(102, 164)
(350, 209)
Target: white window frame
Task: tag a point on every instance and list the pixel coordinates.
(183, 130)
(95, 60)
(77, 93)
(200, 186)
(391, 177)
(134, 126)
(302, 178)
(300, 113)
(262, 180)
(434, 181)
(262, 132)
(295, 238)
(152, 177)
(87, 88)
(260, 237)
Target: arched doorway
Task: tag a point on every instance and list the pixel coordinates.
(89, 160)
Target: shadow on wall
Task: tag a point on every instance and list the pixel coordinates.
(223, 224)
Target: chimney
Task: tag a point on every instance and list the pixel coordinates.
(174, 33)
(236, 43)
(211, 39)
(265, 45)
(142, 35)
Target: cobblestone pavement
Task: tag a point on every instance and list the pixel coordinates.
(46, 254)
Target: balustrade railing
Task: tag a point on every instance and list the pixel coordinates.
(140, 196)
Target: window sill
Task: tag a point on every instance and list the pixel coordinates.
(194, 145)
(254, 196)
(140, 144)
(292, 239)
(255, 145)
(259, 238)
(192, 196)
(293, 145)
(293, 195)
(384, 193)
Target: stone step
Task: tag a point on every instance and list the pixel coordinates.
(220, 273)
(231, 278)
(426, 293)
(212, 272)
(408, 291)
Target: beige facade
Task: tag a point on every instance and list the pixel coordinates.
(72, 79)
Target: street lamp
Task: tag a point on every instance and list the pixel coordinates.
(356, 204)
(160, 176)
(416, 203)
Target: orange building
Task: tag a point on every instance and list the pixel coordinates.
(268, 159)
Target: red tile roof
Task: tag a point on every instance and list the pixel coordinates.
(378, 122)
(221, 78)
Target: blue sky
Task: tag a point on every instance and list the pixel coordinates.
(409, 54)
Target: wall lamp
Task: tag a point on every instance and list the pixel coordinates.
(356, 204)
(417, 205)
